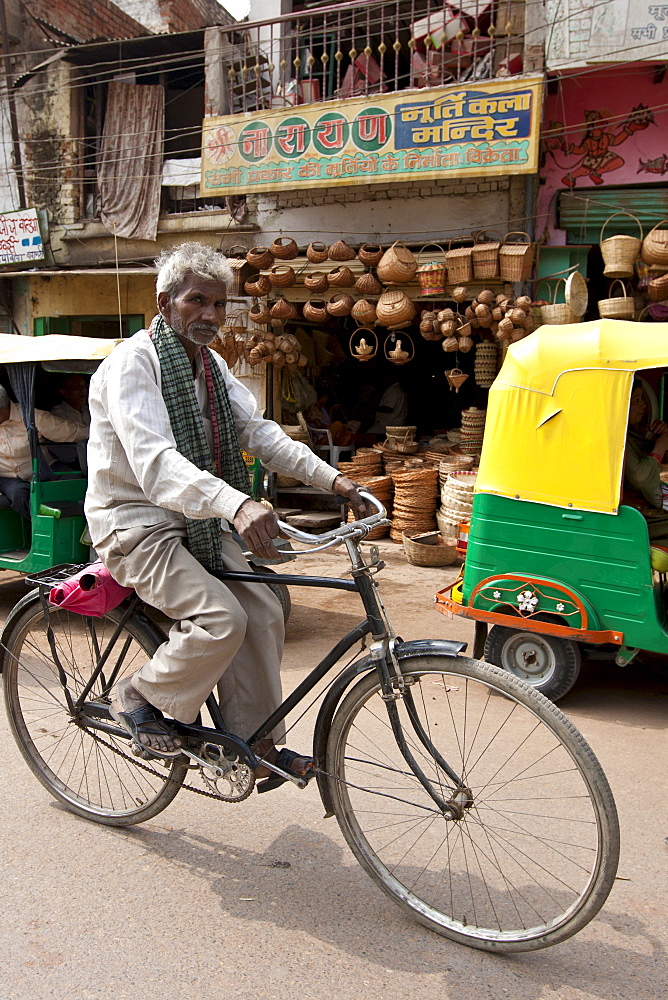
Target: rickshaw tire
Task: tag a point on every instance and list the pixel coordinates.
(562, 658)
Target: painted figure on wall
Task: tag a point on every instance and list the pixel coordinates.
(596, 149)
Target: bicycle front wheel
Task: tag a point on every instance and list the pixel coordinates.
(92, 772)
(534, 852)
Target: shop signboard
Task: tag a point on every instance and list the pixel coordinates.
(473, 129)
(20, 237)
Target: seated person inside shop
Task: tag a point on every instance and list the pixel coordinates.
(646, 450)
(392, 410)
(15, 459)
(73, 391)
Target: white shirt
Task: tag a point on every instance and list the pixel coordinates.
(136, 476)
(15, 460)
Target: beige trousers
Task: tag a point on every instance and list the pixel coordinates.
(229, 634)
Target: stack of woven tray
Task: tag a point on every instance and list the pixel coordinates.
(456, 502)
(415, 501)
(382, 488)
(365, 462)
(473, 429)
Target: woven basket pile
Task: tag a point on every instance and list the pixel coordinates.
(473, 429)
(456, 502)
(453, 463)
(415, 502)
(485, 365)
(366, 462)
(382, 488)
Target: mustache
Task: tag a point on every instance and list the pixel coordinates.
(208, 327)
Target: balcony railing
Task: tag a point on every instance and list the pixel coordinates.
(328, 52)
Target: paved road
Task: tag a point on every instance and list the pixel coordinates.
(263, 901)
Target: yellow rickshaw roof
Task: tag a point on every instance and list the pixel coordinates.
(558, 412)
(53, 347)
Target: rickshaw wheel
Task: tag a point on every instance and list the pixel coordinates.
(546, 662)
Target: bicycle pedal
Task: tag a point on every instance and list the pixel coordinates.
(140, 751)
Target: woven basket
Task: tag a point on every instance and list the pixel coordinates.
(516, 259)
(340, 304)
(657, 289)
(368, 284)
(283, 310)
(617, 307)
(655, 246)
(340, 251)
(394, 309)
(241, 269)
(395, 351)
(485, 256)
(397, 265)
(363, 344)
(258, 286)
(282, 276)
(370, 254)
(260, 258)
(317, 252)
(429, 549)
(458, 261)
(341, 277)
(259, 314)
(432, 274)
(620, 252)
(284, 248)
(364, 312)
(557, 313)
(315, 310)
(316, 281)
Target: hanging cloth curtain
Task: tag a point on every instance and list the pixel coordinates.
(22, 381)
(131, 154)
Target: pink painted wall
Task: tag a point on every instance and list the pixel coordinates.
(603, 126)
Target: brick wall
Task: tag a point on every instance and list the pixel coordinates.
(184, 15)
(86, 20)
(380, 192)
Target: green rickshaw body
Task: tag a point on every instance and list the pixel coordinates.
(555, 562)
(56, 532)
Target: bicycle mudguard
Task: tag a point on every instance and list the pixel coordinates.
(403, 650)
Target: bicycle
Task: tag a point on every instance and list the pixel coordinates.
(463, 792)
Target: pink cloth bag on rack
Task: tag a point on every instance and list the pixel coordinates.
(93, 591)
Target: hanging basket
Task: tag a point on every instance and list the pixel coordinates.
(395, 351)
(258, 286)
(368, 284)
(282, 276)
(432, 274)
(364, 312)
(241, 269)
(394, 309)
(283, 310)
(284, 248)
(617, 307)
(340, 251)
(516, 258)
(456, 378)
(259, 314)
(458, 261)
(557, 313)
(657, 289)
(315, 310)
(370, 254)
(485, 256)
(363, 344)
(340, 304)
(655, 246)
(397, 265)
(260, 258)
(341, 277)
(620, 252)
(317, 252)
(316, 281)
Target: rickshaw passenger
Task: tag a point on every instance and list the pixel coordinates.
(643, 457)
(74, 407)
(15, 458)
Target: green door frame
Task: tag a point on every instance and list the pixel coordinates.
(44, 325)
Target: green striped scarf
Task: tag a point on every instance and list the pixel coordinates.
(178, 392)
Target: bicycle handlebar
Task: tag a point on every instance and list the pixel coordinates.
(337, 535)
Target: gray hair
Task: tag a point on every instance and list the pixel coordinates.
(174, 266)
(4, 398)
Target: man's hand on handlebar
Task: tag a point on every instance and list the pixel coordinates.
(346, 488)
(258, 525)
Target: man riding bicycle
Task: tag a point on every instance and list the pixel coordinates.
(168, 422)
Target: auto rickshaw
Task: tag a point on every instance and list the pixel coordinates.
(55, 533)
(556, 564)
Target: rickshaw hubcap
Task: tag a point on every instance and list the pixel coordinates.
(529, 657)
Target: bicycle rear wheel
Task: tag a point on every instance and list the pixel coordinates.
(92, 772)
(533, 856)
